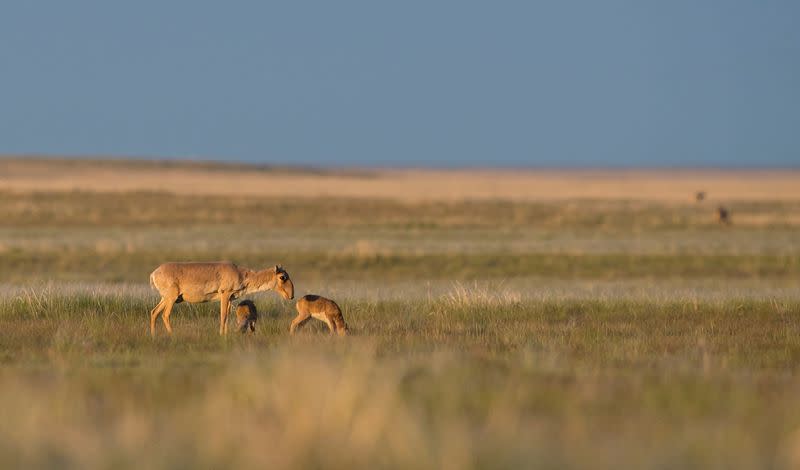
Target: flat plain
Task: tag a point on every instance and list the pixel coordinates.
(501, 319)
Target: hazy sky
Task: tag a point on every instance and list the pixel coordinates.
(564, 83)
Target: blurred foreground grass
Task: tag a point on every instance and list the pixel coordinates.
(465, 380)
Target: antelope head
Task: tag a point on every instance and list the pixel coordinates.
(281, 282)
(276, 279)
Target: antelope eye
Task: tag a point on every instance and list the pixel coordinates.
(283, 277)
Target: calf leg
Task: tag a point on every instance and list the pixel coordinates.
(298, 321)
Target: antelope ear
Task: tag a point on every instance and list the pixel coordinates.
(276, 268)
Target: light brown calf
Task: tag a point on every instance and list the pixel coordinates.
(246, 316)
(315, 306)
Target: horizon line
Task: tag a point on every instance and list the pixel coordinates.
(234, 162)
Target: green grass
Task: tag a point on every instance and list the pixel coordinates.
(595, 334)
(163, 209)
(465, 381)
(84, 265)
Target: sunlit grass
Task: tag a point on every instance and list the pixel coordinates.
(472, 378)
(87, 265)
(486, 334)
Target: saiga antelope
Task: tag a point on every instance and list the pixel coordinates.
(315, 306)
(205, 282)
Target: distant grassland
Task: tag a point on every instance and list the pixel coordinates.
(408, 185)
(132, 267)
(123, 236)
(136, 209)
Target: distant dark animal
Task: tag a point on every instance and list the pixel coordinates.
(723, 215)
(700, 196)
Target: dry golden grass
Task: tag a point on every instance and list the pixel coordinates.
(30, 174)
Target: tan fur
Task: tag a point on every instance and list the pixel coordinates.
(315, 306)
(246, 316)
(205, 282)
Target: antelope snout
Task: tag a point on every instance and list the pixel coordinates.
(288, 290)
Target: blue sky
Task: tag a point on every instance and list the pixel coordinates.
(553, 83)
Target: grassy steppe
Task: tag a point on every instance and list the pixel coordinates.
(614, 333)
(471, 379)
